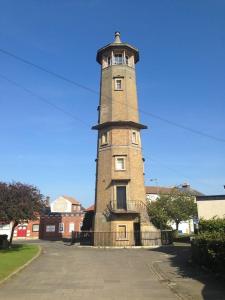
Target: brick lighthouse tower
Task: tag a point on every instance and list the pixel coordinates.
(120, 209)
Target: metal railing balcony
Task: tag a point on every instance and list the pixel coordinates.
(130, 206)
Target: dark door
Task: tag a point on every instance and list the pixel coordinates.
(137, 234)
(121, 197)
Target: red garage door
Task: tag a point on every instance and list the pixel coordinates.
(22, 231)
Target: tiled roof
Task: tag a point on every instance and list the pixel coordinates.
(72, 200)
(191, 191)
(167, 190)
(157, 190)
(90, 208)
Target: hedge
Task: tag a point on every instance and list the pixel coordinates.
(212, 225)
(208, 247)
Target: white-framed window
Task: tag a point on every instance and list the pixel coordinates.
(121, 232)
(120, 163)
(104, 138)
(61, 227)
(71, 227)
(118, 84)
(35, 228)
(50, 228)
(134, 137)
(118, 59)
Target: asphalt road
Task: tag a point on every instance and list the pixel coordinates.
(67, 272)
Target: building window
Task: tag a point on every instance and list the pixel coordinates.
(121, 197)
(134, 137)
(71, 227)
(109, 60)
(127, 59)
(104, 138)
(81, 224)
(35, 228)
(118, 59)
(118, 84)
(120, 163)
(61, 227)
(50, 228)
(122, 232)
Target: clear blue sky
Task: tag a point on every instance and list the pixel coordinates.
(180, 77)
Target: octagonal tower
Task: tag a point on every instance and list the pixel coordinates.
(120, 205)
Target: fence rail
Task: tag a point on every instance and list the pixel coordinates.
(135, 238)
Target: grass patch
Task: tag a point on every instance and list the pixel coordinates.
(15, 257)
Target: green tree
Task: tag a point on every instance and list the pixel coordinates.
(19, 203)
(158, 213)
(181, 206)
(88, 221)
(176, 206)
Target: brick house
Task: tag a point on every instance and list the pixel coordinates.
(60, 225)
(27, 230)
(64, 216)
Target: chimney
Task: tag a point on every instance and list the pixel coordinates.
(185, 185)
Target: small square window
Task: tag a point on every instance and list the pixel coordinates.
(35, 228)
(120, 163)
(61, 227)
(118, 84)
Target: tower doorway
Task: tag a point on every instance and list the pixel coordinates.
(137, 234)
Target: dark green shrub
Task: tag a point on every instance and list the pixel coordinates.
(213, 225)
(208, 247)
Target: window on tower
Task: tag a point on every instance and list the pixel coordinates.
(134, 137)
(121, 232)
(109, 61)
(118, 59)
(104, 138)
(120, 164)
(118, 84)
(127, 59)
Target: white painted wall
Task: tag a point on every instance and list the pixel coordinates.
(208, 209)
(6, 229)
(61, 205)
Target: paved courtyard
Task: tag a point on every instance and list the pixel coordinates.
(67, 272)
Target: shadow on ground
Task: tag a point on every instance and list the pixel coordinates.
(13, 248)
(188, 278)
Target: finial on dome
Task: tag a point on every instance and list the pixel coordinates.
(117, 39)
